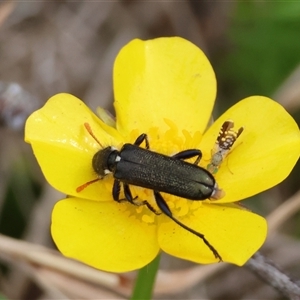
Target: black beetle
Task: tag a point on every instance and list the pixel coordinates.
(133, 165)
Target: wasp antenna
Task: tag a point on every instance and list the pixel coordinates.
(239, 132)
(89, 129)
(82, 187)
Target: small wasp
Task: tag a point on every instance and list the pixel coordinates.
(225, 140)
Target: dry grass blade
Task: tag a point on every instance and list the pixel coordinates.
(180, 280)
(284, 212)
(6, 8)
(50, 259)
(289, 93)
(74, 288)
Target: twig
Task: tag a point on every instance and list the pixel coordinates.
(268, 272)
(263, 267)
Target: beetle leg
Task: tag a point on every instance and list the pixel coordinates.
(129, 197)
(140, 139)
(127, 193)
(161, 203)
(145, 202)
(186, 154)
(116, 190)
(116, 193)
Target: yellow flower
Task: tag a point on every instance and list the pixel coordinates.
(165, 88)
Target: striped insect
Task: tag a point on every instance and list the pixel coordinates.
(224, 142)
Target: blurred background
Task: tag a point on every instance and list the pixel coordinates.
(65, 46)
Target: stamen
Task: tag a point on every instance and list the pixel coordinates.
(149, 219)
(89, 129)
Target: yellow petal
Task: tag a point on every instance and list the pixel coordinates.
(235, 233)
(104, 235)
(165, 78)
(265, 152)
(64, 148)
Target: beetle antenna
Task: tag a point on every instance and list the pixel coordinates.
(90, 131)
(82, 187)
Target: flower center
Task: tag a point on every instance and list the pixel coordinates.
(168, 143)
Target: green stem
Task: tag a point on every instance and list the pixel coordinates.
(145, 281)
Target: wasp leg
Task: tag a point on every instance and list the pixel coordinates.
(161, 203)
(186, 154)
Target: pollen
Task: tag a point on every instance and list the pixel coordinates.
(149, 219)
(182, 207)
